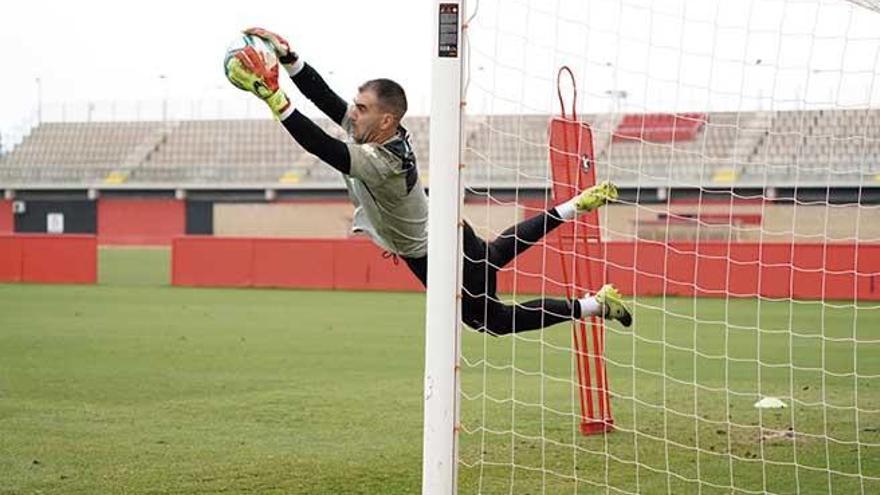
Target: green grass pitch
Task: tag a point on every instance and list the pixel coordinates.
(133, 386)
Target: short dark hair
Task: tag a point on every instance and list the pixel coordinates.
(389, 93)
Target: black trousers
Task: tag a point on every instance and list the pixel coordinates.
(480, 308)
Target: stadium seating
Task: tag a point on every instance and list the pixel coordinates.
(819, 146)
(506, 150)
(712, 142)
(686, 150)
(224, 151)
(75, 152)
(660, 127)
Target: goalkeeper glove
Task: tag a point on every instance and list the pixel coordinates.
(248, 70)
(286, 56)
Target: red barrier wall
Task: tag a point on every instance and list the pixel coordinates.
(49, 259)
(10, 259)
(7, 221)
(141, 221)
(212, 262)
(801, 271)
(281, 263)
(345, 264)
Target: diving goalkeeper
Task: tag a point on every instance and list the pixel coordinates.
(379, 168)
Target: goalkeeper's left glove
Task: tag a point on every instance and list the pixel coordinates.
(248, 70)
(291, 61)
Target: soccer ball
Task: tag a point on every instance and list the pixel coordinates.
(242, 42)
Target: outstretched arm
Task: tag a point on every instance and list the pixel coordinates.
(306, 78)
(313, 87)
(250, 71)
(317, 142)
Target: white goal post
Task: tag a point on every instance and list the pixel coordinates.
(442, 327)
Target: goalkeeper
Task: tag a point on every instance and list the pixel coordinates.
(379, 168)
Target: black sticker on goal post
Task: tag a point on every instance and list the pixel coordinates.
(448, 36)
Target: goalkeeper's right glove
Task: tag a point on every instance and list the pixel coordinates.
(248, 70)
(291, 61)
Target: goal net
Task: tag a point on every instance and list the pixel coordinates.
(745, 140)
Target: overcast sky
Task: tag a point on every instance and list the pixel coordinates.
(665, 54)
(110, 50)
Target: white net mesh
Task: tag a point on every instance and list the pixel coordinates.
(868, 4)
(745, 137)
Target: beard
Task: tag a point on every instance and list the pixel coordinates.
(367, 136)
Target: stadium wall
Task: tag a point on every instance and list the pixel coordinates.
(646, 268)
(777, 270)
(199, 217)
(127, 220)
(7, 223)
(78, 216)
(123, 221)
(330, 219)
(350, 264)
(49, 259)
(302, 219)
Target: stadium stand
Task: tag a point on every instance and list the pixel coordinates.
(660, 127)
(76, 152)
(658, 152)
(506, 150)
(686, 150)
(820, 145)
(225, 151)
